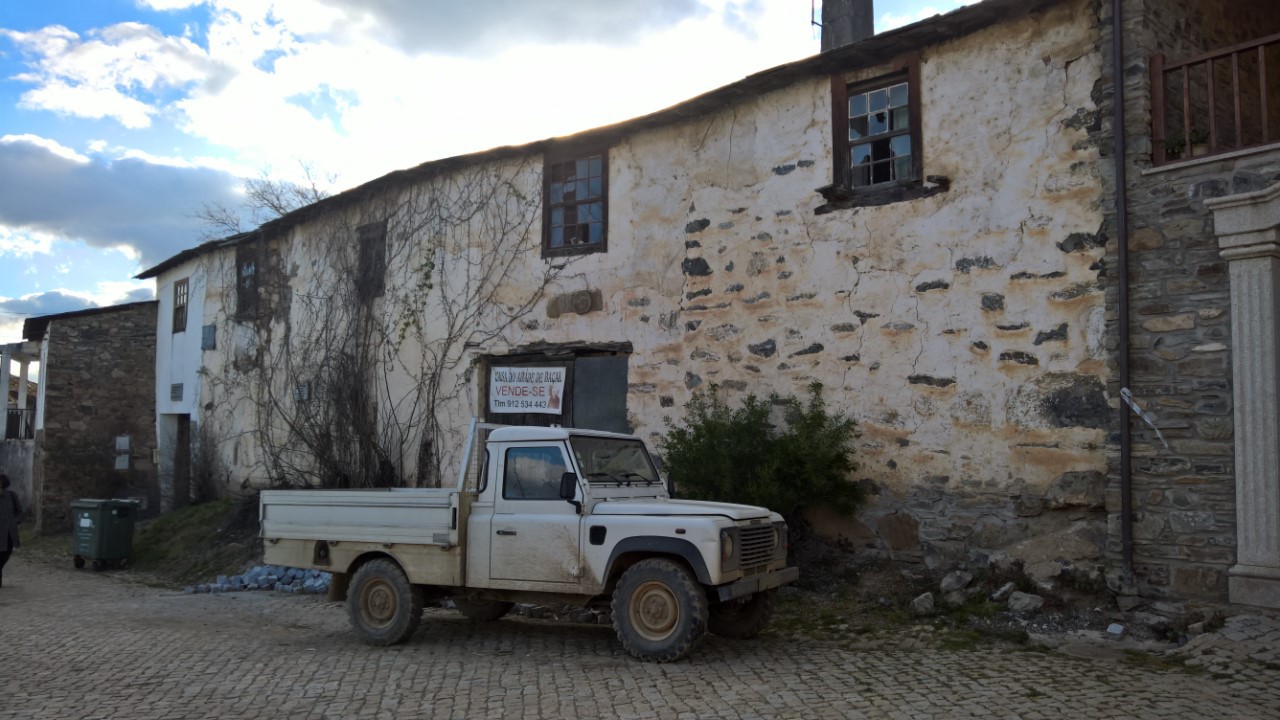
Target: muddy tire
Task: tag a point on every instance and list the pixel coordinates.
(659, 610)
(742, 619)
(384, 608)
(483, 610)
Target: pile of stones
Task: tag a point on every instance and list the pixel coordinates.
(268, 577)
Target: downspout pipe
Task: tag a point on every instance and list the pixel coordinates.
(1122, 294)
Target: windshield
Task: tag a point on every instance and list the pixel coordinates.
(613, 460)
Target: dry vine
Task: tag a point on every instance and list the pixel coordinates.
(348, 375)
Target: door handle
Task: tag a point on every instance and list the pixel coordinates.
(506, 532)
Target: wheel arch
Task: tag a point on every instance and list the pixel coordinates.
(632, 550)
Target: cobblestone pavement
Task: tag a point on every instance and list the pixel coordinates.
(79, 645)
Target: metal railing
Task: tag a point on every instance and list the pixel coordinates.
(19, 424)
(1221, 101)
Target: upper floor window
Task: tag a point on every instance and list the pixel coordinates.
(371, 268)
(575, 203)
(247, 280)
(880, 143)
(876, 139)
(180, 290)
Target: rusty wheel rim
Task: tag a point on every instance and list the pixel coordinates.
(378, 603)
(653, 611)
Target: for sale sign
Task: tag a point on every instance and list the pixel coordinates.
(526, 390)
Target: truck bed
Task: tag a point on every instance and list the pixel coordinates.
(419, 516)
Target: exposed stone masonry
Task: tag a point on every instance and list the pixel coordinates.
(99, 384)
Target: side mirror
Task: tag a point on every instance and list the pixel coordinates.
(568, 486)
(671, 487)
(569, 490)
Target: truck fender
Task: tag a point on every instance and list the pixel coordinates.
(650, 546)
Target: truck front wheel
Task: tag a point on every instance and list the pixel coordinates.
(744, 618)
(659, 611)
(384, 607)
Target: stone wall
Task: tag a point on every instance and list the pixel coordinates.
(100, 380)
(1180, 326)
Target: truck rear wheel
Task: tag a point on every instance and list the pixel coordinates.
(742, 619)
(659, 610)
(383, 606)
(483, 610)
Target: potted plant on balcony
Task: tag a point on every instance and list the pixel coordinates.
(1199, 142)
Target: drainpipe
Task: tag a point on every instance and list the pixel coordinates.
(1122, 295)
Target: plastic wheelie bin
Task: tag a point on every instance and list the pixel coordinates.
(103, 532)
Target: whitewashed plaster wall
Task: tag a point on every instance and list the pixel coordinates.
(963, 330)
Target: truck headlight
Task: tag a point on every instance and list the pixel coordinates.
(726, 546)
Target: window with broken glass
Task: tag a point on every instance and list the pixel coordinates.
(876, 137)
(880, 142)
(575, 209)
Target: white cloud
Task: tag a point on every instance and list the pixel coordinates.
(121, 72)
(25, 243)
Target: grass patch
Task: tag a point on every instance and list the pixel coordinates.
(195, 543)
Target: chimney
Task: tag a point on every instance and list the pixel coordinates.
(845, 22)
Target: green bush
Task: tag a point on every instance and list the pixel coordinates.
(741, 455)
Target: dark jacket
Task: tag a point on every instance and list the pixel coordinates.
(10, 512)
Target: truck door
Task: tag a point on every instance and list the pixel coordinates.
(534, 534)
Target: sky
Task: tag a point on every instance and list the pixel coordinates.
(121, 119)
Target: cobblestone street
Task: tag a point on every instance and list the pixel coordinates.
(80, 645)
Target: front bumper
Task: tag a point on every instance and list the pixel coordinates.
(757, 583)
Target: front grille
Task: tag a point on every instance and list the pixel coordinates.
(757, 544)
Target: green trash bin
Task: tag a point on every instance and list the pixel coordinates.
(103, 532)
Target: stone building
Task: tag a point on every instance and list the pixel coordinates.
(924, 221)
(1202, 170)
(94, 425)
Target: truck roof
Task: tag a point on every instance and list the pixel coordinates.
(524, 433)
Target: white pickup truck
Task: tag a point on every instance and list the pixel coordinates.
(545, 515)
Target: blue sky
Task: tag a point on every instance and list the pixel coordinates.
(120, 119)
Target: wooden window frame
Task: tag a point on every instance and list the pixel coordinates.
(566, 154)
(841, 188)
(181, 299)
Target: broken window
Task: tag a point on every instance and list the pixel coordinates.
(180, 290)
(877, 130)
(372, 265)
(575, 202)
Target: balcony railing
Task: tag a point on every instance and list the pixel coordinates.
(1215, 103)
(19, 424)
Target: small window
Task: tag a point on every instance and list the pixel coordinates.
(877, 131)
(371, 267)
(880, 147)
(180, 305)
(533, 473)
(575, 203)
(247, 271)
(302, 392)
(209, 337)
(175, 392)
